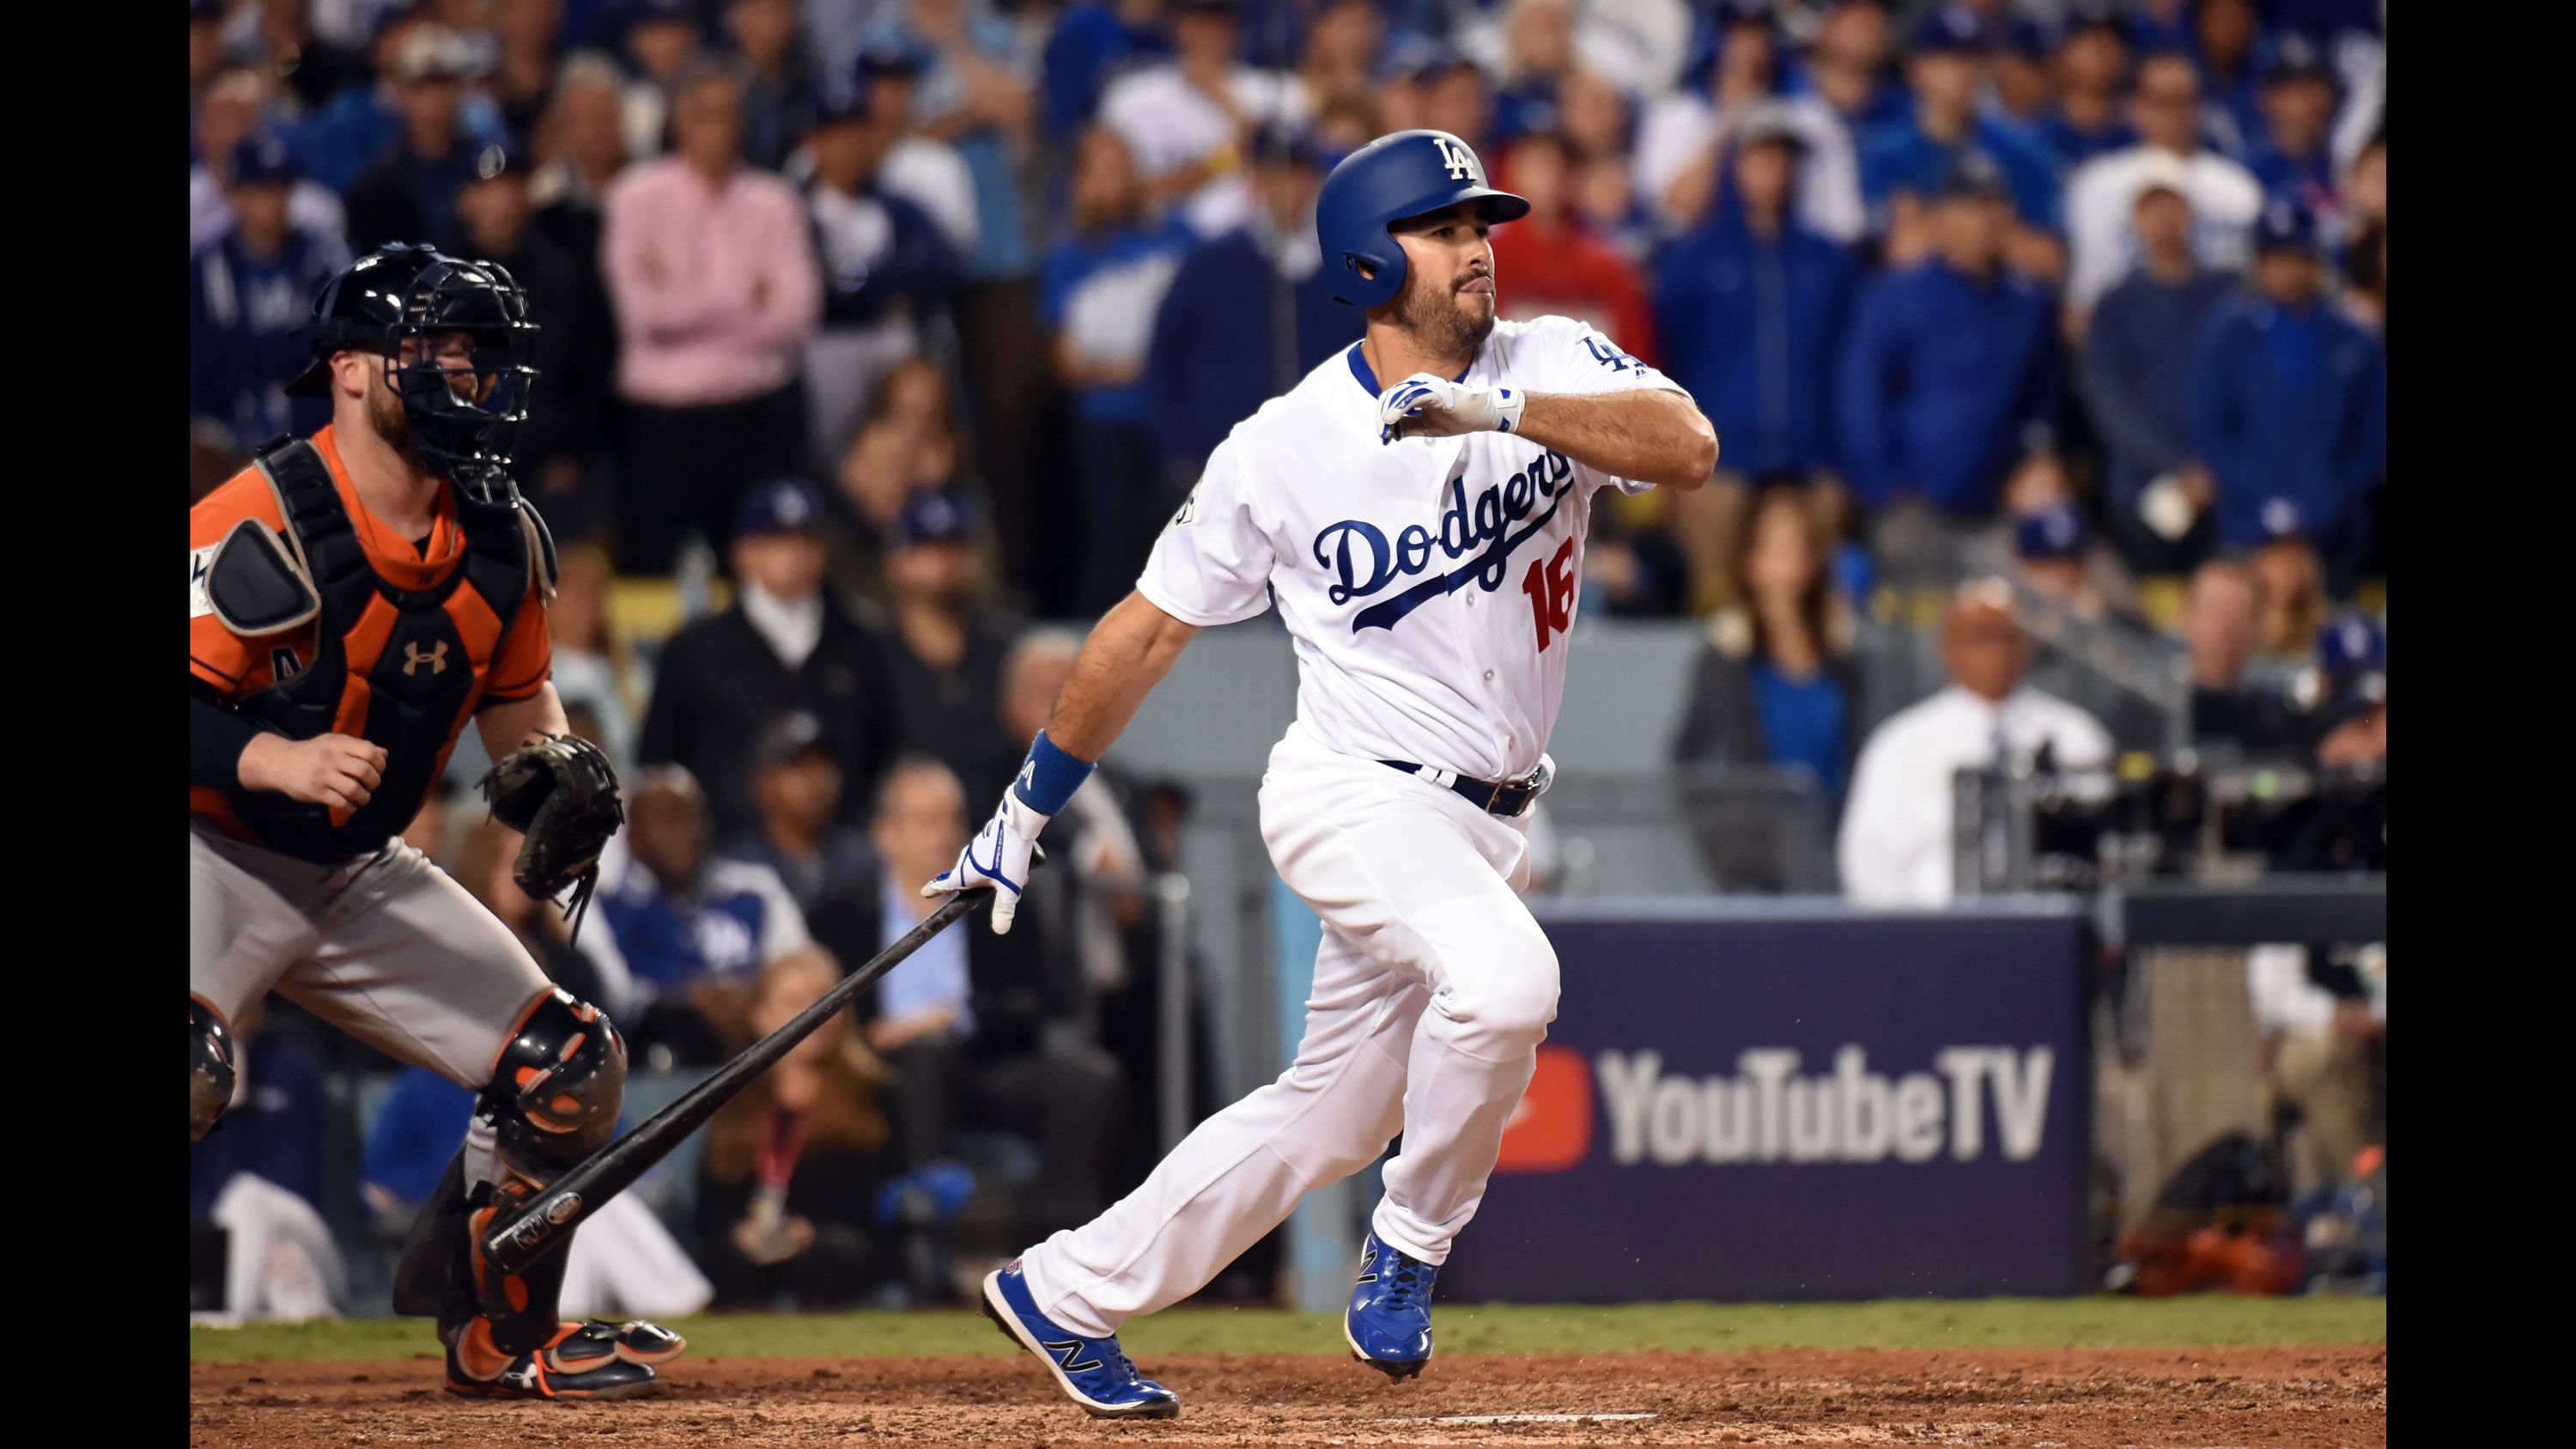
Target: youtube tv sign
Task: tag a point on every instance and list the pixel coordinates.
(1777, 1107)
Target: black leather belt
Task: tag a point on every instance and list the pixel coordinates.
(1505, 797)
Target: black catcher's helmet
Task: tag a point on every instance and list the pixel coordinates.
(461, 417)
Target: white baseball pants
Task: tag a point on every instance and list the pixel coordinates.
(1433, 989)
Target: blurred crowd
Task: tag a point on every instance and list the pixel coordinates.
(914, 319)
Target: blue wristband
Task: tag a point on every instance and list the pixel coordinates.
(1049, 777)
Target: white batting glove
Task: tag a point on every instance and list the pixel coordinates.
(1424, 406)
(997, 859)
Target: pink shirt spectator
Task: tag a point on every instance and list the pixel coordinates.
(716, 288)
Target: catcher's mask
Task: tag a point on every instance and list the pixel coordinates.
(413, 306)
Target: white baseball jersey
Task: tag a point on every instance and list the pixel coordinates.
(1429, 583)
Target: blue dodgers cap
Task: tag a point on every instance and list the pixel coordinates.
(1973, 177)
(261, 159)
(1953, 30)
(2285, 226)
(2054, 532)
(503, 155)
(2293, 56)
(781, 505)
(2351, 644)
(934, 516)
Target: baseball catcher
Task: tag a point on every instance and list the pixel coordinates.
(354, 599)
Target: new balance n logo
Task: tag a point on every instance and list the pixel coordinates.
(1064, 1355)
(413, 659)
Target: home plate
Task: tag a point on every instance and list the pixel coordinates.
(1539, 1418)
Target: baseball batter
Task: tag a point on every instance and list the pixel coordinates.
(1416, 508)
(353, 599)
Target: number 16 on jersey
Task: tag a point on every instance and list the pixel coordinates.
(1550, 587)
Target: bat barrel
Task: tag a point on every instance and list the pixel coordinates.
(549, 1218)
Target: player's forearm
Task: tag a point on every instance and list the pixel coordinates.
(507, 726)
(1653, 436)
(1130, 650)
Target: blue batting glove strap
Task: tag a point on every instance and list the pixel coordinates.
(1049, 776)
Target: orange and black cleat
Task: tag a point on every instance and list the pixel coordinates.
(594, 1360)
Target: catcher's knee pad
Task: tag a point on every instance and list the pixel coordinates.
(554, 1094)
(210, 1068)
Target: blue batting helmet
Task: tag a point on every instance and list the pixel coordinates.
(1383, 182)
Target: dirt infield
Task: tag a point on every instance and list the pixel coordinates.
(2048, 1399)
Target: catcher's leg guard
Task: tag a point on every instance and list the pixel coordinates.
(210, 1068)
(552, 1101)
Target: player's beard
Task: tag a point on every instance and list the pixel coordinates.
(391, 422)
(1440, 321)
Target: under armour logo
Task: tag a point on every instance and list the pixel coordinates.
(436, 659)
(1461, 161)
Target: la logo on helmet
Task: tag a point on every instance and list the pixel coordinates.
(1461, 161)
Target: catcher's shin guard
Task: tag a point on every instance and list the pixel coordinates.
(210, 1068)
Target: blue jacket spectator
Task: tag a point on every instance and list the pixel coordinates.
(1751, 310)
(247, 292)
(1950, 369)
(410, 192)
(1913, 154)
(2289, 403)
(1093, 42)
(941, 70)
(1216, 355)
(675, 915)
(2137, 359)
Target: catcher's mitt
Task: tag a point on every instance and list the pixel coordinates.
(561, 793)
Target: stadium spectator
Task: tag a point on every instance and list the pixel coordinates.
(2222, 631)
(943, 649)
(1776, 683)
(410, 194)
(674, 917)
(2225, 35)
(1948, 385)
(1684, 137)
(1839, 95)
(593, 668)
(1538, 56)
(786, 1196)
(886, 266)
(1751, 309)
(1188, 123)
(584, 152)
(1340, 55)
(1453, 95)
(1895, 847)
(2289, 408)
(233, 109)
(2292, 583)
(2072, 577)
(2025, 88)
(530, 40)
(1552, 262)
(281, 39)
(2102, 195)
(2090, 64)
(340, 140)
(205, 46)
(803, 834)
(1602, 187)
(566, 435)
(786, 644)
(1100, 290)
(2292, 159)
(1903, 163)
(659, 39)
(248, 290)
(711, 267)
(2136, 377)
(980, 1032)
(1218, 352)
(778, 91)
(959, 69)
(1093, 42)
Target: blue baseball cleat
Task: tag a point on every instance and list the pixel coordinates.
(1388, 1324)
(1091, 1371)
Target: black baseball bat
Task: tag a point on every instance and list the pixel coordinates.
(549, 1218)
